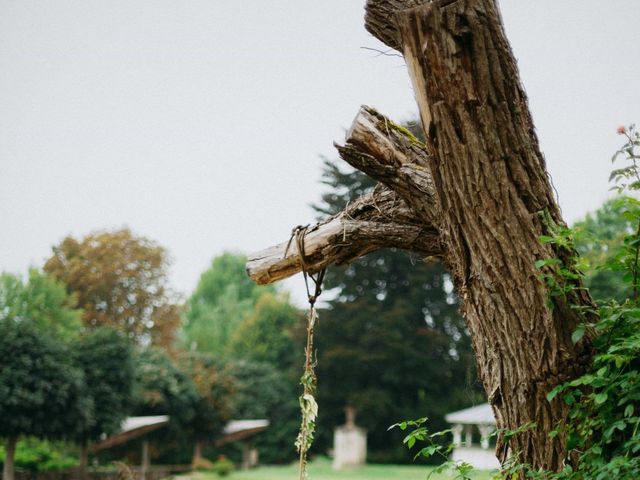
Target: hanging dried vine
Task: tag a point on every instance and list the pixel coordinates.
(308, 404)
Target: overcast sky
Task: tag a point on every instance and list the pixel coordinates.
(200, 124)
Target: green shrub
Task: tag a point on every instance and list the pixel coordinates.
(37, 455)
(223, 466)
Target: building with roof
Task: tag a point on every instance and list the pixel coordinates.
(477, 421)
(135, 427)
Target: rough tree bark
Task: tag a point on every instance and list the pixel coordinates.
(481, 189)
(496, 201)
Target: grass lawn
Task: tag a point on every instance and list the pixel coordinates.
(321, 470)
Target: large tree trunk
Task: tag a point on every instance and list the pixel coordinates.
(482, 192)
(9, 456)
(496, 201)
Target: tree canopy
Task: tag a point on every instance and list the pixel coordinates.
(53, 403)
(599, 237)
(267, 390)
(119, 280)
(215, 390)
(161, 388)
(250, 330)
(266, 332)
(223, 297)
(106, 359)
(40, 300)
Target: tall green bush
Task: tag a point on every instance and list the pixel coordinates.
(42, 391)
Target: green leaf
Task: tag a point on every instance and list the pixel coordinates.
(547, 261)
(427, 452)
(552, 394)
(577, 335)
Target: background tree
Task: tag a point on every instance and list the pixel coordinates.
(42, 392)
(106, 358)
(265, 334)
(161, 388)
(119, 280)
(266, 391)
(391, 342)
(223, 297)
(599, 237)
(250, 329)
(36, 455)
(215, 403)
(40, 300)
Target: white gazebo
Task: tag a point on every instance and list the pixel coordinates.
(480, 417)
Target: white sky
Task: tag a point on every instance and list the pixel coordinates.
(200, 123)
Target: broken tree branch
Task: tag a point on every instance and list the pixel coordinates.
(393, 216)
(392, 155)
(376, 220)
(378, 19)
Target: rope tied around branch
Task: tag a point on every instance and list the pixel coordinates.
(308, 404)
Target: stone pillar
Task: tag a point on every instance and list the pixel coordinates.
(468, 436)
(456, 430)
(349, 443)
(485, 432)
(249, 456)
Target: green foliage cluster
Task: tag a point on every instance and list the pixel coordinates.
(223, 466)
(42, 391)
(419, 434)
(37, 455)
(65, 375)
(249, 330)
(106, 359)
(598, 239)
(263, 390)
(603, 426)
(41, 301)
(65, 379)
(225, 295)
(57, 381)
(161, 387)
(214, 388)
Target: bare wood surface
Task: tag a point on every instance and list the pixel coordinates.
(390, 154)
(377, 220)
(378, 19)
